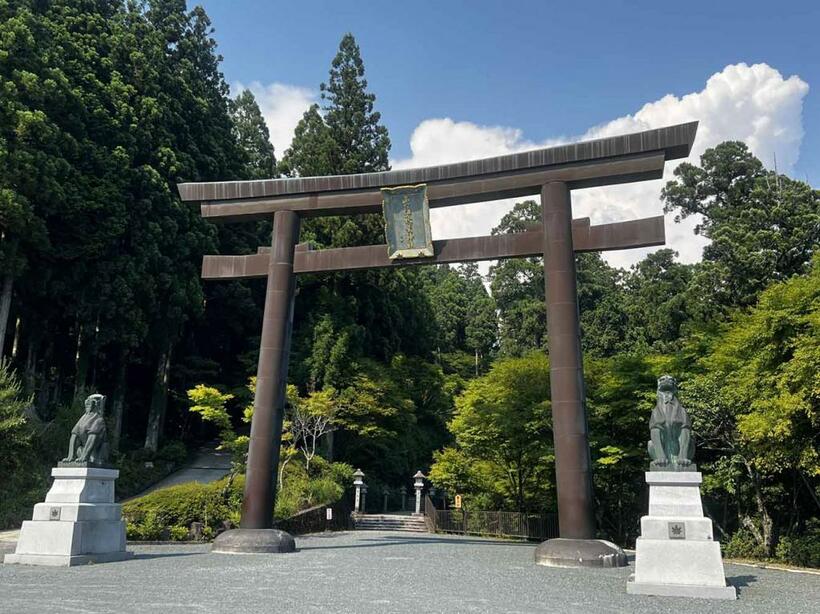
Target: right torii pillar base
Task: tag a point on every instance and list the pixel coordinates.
(564, 552)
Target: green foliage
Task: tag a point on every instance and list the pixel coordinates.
(620, 397)
(763, 227)
(15, 436)
(155, 515)
(22, 472)
(326, 484)
(210, 403)
(253, 137)
(743, 545)
(105, 108)
(310, 419)
(168, 513)
(518, 288)
(361, 142)
(802, 550)
(756, 408)
(311, 150)
(656, 302)
(504, 424)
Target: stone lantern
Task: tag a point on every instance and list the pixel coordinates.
(418, 484)
(358, 482)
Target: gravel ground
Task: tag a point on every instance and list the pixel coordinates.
(370, 572)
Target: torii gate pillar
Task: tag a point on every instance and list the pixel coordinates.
(573, 475)
(572, 459)
(256, 532)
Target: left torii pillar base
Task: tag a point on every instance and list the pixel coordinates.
(254, 541)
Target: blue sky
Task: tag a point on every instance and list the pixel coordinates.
(510, 75)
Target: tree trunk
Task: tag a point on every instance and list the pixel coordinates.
(765, 535)
(329, 447)
(159, 400)
(5, 308)
(16, 344)
(30, 378)
(80, 364)
(118, 403)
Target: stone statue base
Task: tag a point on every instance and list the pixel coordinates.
(676, 554)
(78, 523)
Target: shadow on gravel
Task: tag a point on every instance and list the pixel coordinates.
(381, 542)
(741, 582)
(139, 556)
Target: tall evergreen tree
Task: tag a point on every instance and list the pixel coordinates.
(763, 226)
(311, 151)
(361, 143)
(253, 137)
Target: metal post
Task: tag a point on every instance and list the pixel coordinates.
(403, 498)
(385, 502)
(271, 376)
(364, 498)
(572, 460)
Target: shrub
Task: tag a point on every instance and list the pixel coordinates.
(24, 476)
(299, 491)
(743, 545)
(803, 550)
(168, 510)
(179, 534)
(168, 513)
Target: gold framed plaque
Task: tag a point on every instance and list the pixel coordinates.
(407, 222)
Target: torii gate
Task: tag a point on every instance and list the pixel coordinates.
(553, 172)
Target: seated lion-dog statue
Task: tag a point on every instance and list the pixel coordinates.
(89, 438)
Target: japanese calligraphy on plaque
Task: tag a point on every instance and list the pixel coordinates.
(407, 222)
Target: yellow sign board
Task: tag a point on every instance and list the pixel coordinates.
(458, 502)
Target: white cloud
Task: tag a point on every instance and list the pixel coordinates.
(282, 106)
(754, 104)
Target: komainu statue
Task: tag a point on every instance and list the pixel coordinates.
(89, 438)
(671, 445)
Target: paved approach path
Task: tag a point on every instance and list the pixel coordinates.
(209, 465)
(367, 572)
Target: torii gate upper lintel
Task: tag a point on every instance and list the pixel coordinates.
(551, 172)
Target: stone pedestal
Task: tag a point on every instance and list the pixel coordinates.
(79, 522)
(676, 554)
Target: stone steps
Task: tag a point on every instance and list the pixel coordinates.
(389, 522)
